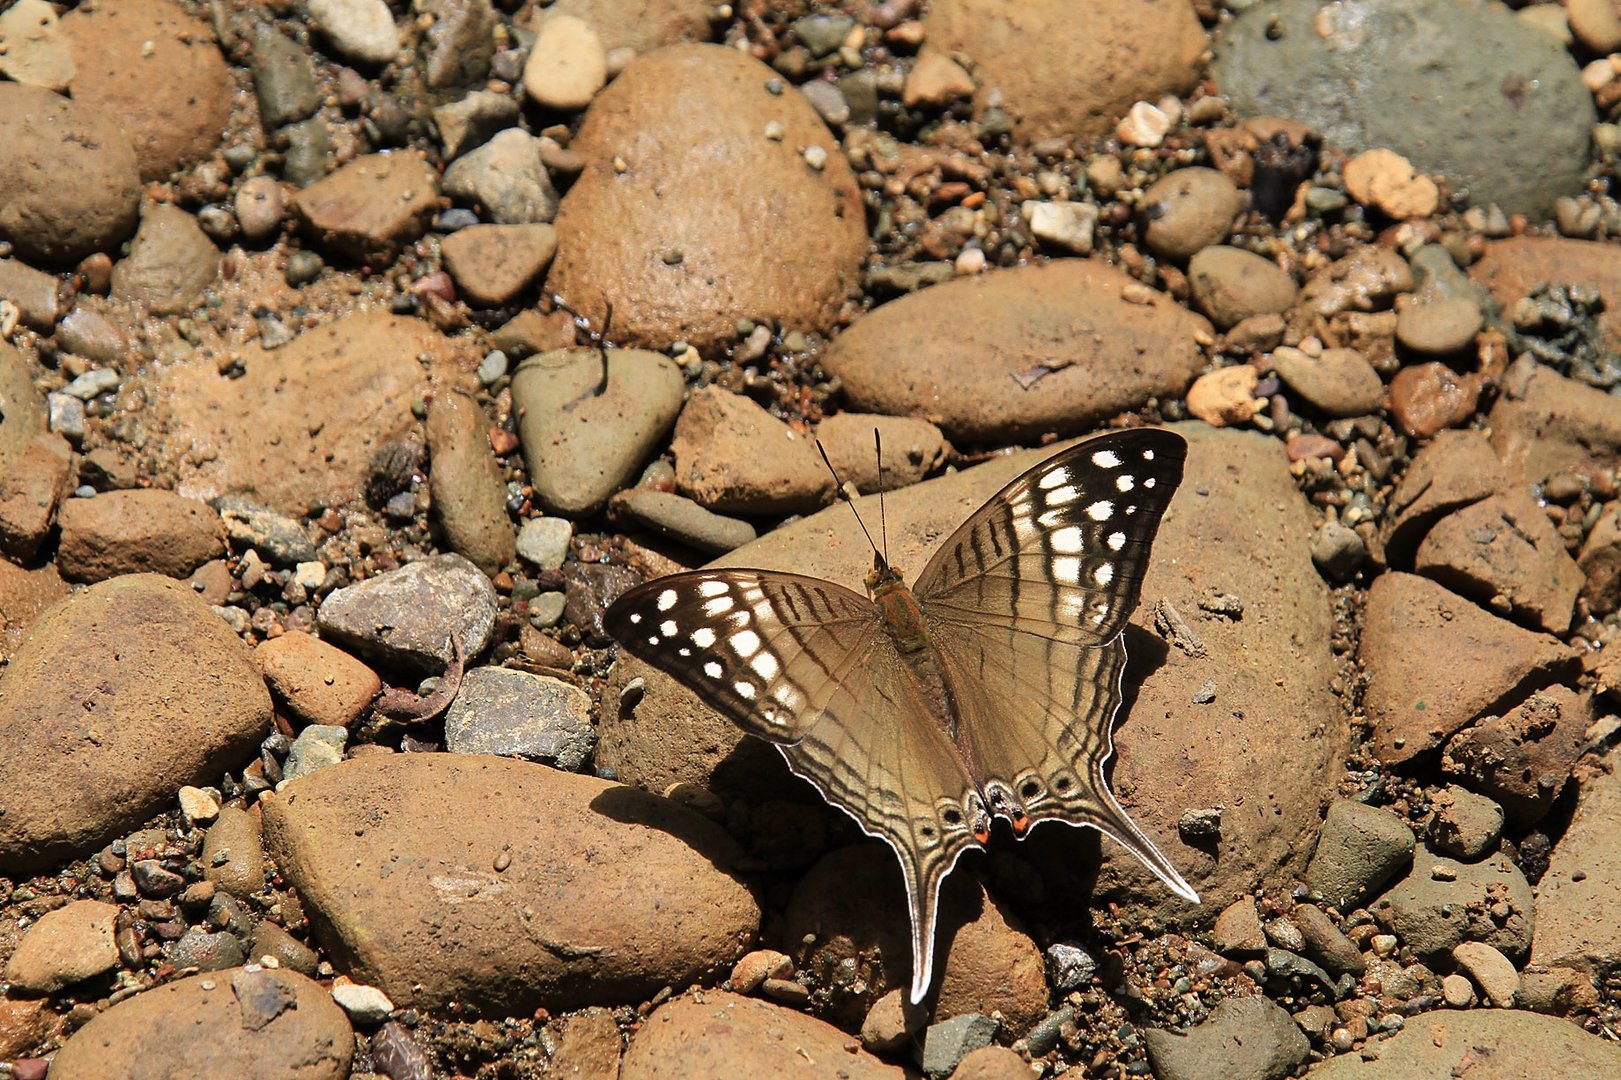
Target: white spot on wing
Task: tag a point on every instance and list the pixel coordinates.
(718, 606)
(703, 637)
(666, 599)
(711, 588)
(1068, 541)
(1067, 570)
(667, 628)
(1061, 496)
(712, 669)
(1103, 574)
(1148, 483)
(1106, 459)
(1124, 482)
(744, 690)
(1052, 479)
(635, 617)
(683, 651)
(765, 665)
(1116, 541)
(1148, 455)
(745, 643)
(1102, 510)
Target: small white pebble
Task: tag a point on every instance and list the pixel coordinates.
(970, 261)
(364, 1004)
(198, 805)
(816, 157)
(1144, 125)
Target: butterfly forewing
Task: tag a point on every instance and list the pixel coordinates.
(1061, 550)
(774, 652)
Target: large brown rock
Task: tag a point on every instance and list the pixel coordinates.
(300, 427)
(1498, 1044)
(1504, 547)
(1012, 355)
(1262, 754)
(711, 1033)
(732, 455)
(137, 531)
(1576, 923)
(1056, 75)
(23, 595)
(120, 695)
(157, 74)
(1544, 423)
(671, 241)
(1435, 662)
(248, 1024)
(504, 885)
(48, 137)
(34, 479)
(1510, 268)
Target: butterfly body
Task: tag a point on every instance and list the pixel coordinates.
(987, 688)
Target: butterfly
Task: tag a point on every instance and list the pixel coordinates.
(987, 689)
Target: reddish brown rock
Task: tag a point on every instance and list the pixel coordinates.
(711, 1033)
(25, 414)
(1600, 563)
(514, 895)
(371, 207)
(1576, 924)
(345, 388)
(1015, 354)
(34, 293)
(1452, 471)
(732, 455)
(1523, 758)
(1435, 662)
(24, 1026)
(247, 1024)
(132, 532)
(468, 488)
(1512, 267)
(320, 684)
(912, 449)
(48, 137)
(171, 261)
(66, 946)
(1056, 76)
(1504, 550)
(33, 482)
(157, 74)
(133, 669)
(1544, 423)
(23, 595)
(492, 264)
(1426, 398)
(671, 241)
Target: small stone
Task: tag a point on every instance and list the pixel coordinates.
(317, 683)
(407, 616)
(1230, 285)
(567, 64)
(370, 208)
(198, 805)
(1238, 931)
(1427, 398)
(1457, 991)
(277, 537)
(1463, 823)
(155, 880)
(1069, 967)
(1067, 226)
(66, 416)
(1144, 125)
(935, 80)
(1386, 181)
(1439, 328)
(473, 121)
(1360, 848)
(203, 951)
(1226, 396)
(507, 177)
(756, 967)
(33, 49)
(517, 714)
(493, 264)
(366, 1005)
(1188, 210)
(66, 946)
(259, 208)
(544, 541)
(683, 520)
(316, 747)
(891, 1023)
(1340, 382)
(1338, 551)
(360, 30)
(945, 1044)
(1244, 1036)
(1490, 970)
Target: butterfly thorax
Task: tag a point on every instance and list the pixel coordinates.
(898, 608)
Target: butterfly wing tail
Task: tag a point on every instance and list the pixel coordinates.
(1113, 821)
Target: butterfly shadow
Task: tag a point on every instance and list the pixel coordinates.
(633, 806)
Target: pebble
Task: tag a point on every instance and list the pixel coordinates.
(1387, 182)
(567, 64)
(138, 531)
(946, 1043)
(360, 30)
(371, 207)
(1464, 824)
(1439, 328)
(317, 683)
(1237, 930)
(544, 541)
(1066, 226)
(66, 946)
(278, 538)
(472, 121)
(41, 475)
(407, 616)
(936, 80)
(1359, 849)
(200, 950)
(171, 262)
(683, 520)
(1226, 396)
(582, 445)
(317, 747)
(1503, 551)
(1432, 913)
(1340, 382)
(33, 49)
(1338, 551)
(506, 177)
(1457, 991)
(754, 968)
(92, 335)
(493, 264)
(198, 804)
(891, 1022)
(366, 1006)
(517, 714)
(467, 483)
(1144, 125)
(1243, 1036)
(1069, 967)
(233, 857)
(1230, 285)
(33, 292)
(1595, 24)
(259, 207)
(1491, 971)
(912, 449)
(1427, 398)
(283, 78)
(731, 455)
(1188, 210)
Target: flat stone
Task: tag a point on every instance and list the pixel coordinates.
(1337, 381)
(1443, 902)
(460, 43)
(679, 518)
(139, 531)
(712, 1033)
(1463, 824)
(1470, 661)
(370, 208)
(567, 64)
(733, 456)
(912, 449)
(1544, 423)
(467, 484)
(132, 669)
(1518, 1045)
(1325, 942)
(1237, 930)
(946, 1043)
(66, 946)
(318, 683)
(493, 264)
(156, 73)
(247, 1023)
(1504, 547)
(588, 1046)
(1361, 847)
(473, 120)
(1014, 354)
(1244, 1036)
(32, 292)
(280, 539)
(171, 261)
(517, 714)
(48, 136)
(1051, 77)
(674, 250)
(233, 853)
(544, 541)
(1450, 472)
(1435, 73)
(1231, 284)
(1490, 970)
(541, 913)
(1522, 759)
(1576, 927)
(283, 78)
(406, 616)
(584, 440)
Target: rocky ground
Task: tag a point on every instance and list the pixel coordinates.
(354, 356)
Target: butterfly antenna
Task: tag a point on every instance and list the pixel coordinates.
(844, 497)
(883, 519)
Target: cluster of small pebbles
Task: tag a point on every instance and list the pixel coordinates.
(355, 355)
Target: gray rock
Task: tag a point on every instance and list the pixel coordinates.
(171, 261)
(683, 520)
(467, 483)
(1444, 902)
(360, 30)
(544, 541)
(822, 34)
(473, 121)
(948, 1042)
(407, 616)
(197, 948)
(277, 537)
(460, 44)
(233, 854)
(1337, 551)
(1069, 967)
(1463, 824)
(316, 747)
(1503, 1044)
(516, 714)
(507, 177)
(1361, 848)
(309, 146)
(1043, 1038)
(283, 78)
(1325, 943)
(1445, 84)
(583, 439)
(66, 416)
(272, 940)
(1248, 1036)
